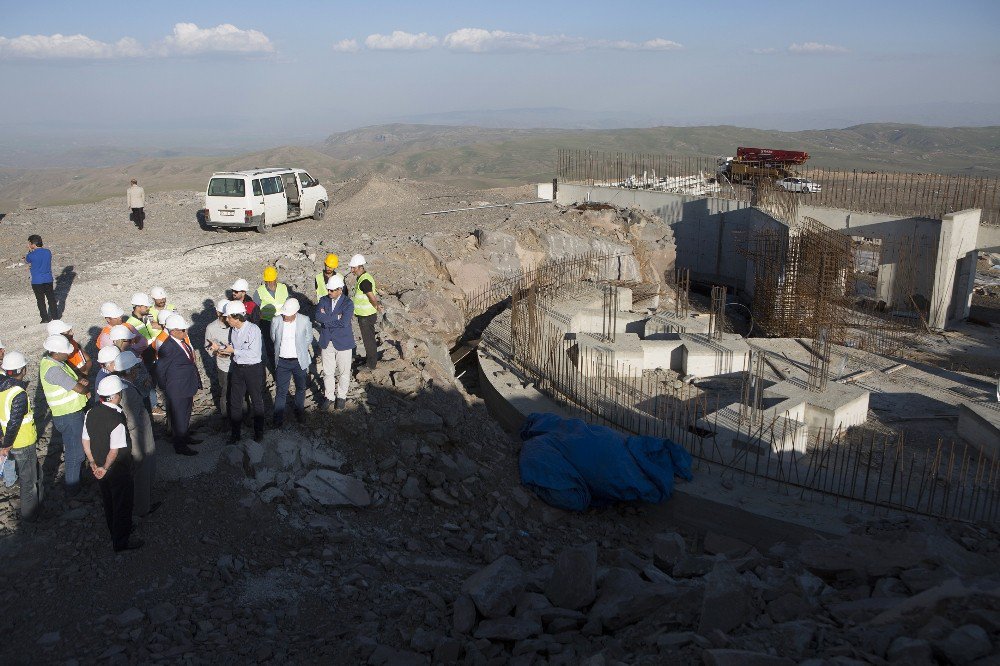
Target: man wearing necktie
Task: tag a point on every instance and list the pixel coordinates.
(179, 378)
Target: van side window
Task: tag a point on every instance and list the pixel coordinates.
(307, 180)
(272, 185)
(256, 188)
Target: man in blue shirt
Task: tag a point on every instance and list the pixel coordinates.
(39, 260)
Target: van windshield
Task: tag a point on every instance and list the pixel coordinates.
(226, 187)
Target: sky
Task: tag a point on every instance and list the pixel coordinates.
(178, 71)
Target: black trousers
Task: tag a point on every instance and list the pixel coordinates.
(179, 412)
(138, 216)
(45, 292)
(367, 326)
(117, 495)
(246, 380)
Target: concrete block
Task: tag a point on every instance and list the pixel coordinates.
(838, 407)
(979, 425)
(667, 354)
(596, 356)
(704, 357)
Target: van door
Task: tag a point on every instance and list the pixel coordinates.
(309, 193)
(275, 208)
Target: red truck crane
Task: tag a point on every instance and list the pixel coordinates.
(760, 163)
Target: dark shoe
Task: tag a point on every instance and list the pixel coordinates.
(45, 320)
(153, 507)
(300, 415)
(328, 406)
(134, 543)
(193, 441)
(278, 423)
(341, 403)
(185, 450)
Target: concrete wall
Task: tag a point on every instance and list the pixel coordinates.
(955, 267)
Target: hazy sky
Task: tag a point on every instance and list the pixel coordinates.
(308, 67)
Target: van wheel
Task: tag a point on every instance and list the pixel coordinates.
(320, 211)
(261, 226)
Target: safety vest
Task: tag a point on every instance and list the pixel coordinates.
(321, 289)
(26, 434)
(139, 325)
(156, 313)
(60, 400)
(362, 306)
(269, 304)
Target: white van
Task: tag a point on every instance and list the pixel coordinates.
(261, 198)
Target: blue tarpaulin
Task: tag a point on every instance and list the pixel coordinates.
(573, 465)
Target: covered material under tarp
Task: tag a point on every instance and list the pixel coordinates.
(573, 465)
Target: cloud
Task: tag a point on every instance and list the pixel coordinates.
(478, 40)
(810, 48)
(401, 41)
(767, 51)
(657, 44)
(187, 39)
(67, 46)
(347, 46)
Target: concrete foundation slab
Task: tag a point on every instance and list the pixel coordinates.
(837, 408)
(597, 356)
(666, 354)
(704, 357)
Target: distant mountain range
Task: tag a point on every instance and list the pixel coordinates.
(475, 157)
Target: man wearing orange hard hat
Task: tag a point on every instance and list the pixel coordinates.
(270, 296)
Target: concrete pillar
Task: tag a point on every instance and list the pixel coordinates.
(958, 237)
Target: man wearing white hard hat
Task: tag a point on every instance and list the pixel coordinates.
(79, 359)
(177, 373)
(366, 307)
(291, 333)
(115, 316)
(66, 392)
(141, 318)
(105, 366)
(159, 296)
(140, 431)
(109, 453)
(246, 371)
(335, 315)
(20, 434)
(216, 341)
(240, 291)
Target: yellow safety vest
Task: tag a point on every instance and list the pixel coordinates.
(140, 326)
(362, 306)
(26, 434)
(60, 400)
(156, 313)
(269, 304)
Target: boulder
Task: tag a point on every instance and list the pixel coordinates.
(420, 420)
(331, 488)
(496, 587)
(728, 601)
(910, 651)
(508, 628)
(573, 583)
(668, 549)
(464, 614)
(964, 645)
(625, 598)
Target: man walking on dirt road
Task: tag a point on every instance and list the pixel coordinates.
(136, 197)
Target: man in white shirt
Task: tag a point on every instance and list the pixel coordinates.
(108, 449)
(292, 337)
(136, 198)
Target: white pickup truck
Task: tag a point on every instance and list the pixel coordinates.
(261, 198)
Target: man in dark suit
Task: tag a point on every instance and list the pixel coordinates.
(180, 381)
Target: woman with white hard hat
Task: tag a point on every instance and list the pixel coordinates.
(107, 447)
(20, 434)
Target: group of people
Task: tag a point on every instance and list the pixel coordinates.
(146, 366)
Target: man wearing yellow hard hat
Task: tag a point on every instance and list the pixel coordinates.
(329, 270)
(270, 296)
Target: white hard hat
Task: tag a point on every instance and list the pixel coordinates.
(158, 293)
(175, 322)
(335, 282)
(163, 315)
(108, 354)
(110, 385)
(125, 361)
(290, 307)
(140, 298)
(58, 327)
(220, 305)
(357, 260)
(235, 308)
(110, 309)
(120, 332)
(241, 285)
(57, 344)
(14, 361)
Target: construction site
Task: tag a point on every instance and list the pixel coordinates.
(807, 350)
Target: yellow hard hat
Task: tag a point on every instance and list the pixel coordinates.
(332, 261)
(270, 274)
